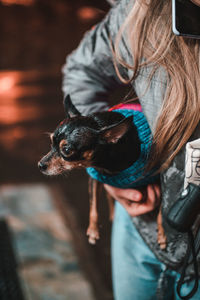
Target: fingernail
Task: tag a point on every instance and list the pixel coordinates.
(137, 196)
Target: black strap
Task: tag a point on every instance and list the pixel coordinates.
(197, 245)
(190, 249)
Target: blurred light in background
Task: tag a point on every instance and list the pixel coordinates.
(15, 113)
(6, 83)
(18, 2)
(87, 13)
(14, 86)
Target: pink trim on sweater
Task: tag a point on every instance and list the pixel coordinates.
(133, 106)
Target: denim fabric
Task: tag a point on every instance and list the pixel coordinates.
(135, 269)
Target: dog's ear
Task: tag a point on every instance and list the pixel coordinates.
(70, 109)
(113, 133)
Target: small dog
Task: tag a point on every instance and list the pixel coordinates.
(97, 140)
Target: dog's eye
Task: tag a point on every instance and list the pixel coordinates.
(66, 151)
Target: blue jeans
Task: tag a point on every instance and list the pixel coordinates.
(135, 269)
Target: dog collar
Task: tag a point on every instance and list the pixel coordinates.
(133, 176)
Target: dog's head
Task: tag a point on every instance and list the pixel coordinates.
(76, 140)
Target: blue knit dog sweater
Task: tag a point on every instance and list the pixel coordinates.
(131, 177)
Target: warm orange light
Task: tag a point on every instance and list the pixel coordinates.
(87, 13)
(14, 86)
(11, 84)
(6, 83)
(18, 2)
(11, 114)
(9, 137)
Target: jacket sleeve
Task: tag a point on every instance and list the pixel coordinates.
(89, 75)
(112, 2)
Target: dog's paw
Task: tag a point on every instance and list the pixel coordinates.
(93, 235)
(162, 240)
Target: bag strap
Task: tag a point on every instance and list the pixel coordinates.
(191, 252)
(197, 246)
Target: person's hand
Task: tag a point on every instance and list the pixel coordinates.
(133, 200)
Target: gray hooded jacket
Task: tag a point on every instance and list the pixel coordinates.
(90, 77)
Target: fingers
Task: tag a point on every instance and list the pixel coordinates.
(152, 201)
(124, 194)
(156, 188)
(157, 194)
(131, 199)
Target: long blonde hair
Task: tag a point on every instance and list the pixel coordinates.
(151, 42)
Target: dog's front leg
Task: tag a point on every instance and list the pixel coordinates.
(94, 191)
(161, 237)
(111, 206)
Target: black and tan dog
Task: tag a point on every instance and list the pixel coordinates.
(97, 140)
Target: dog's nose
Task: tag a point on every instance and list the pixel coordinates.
(42, 166)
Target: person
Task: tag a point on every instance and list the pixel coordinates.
(134, 44)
